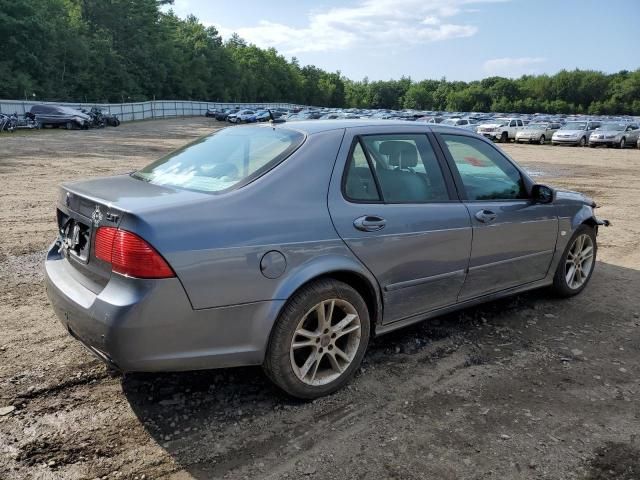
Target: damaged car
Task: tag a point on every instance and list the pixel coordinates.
(60, 116)
(292, 245)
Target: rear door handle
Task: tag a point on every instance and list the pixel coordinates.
(369, 223)
(485, 216)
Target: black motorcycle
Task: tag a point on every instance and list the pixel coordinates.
(108, 119)
(8, 123)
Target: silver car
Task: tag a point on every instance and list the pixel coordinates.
(464, 123)
(537, 133)
(291, 245)
(618, 135)
(574, 133)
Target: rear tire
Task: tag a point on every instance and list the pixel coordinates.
(577, 263)
(69, 125)
(302, 357)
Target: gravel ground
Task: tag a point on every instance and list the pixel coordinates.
(527, 387)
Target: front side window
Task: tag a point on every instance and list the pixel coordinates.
(405, 167)
(485, 173)
(221, 161)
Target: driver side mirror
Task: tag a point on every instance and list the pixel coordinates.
(542, 193)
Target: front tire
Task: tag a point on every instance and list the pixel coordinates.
(583, 141)
(319, 340)
(623, 143)
(577, 263)
(542, 140)
(504, 138)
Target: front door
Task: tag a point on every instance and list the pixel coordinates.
(514, 238)
(394, 205)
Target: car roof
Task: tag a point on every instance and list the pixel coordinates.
(315, 126)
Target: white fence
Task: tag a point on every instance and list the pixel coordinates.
(143, 110)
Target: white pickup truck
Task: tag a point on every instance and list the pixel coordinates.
(501, 129)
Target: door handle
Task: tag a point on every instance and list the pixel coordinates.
(369, 223)
(485, 216)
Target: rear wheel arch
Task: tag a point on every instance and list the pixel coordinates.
(366, 290)
(366, 287)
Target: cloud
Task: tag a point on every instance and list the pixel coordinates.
(513, 67)
(369, 22)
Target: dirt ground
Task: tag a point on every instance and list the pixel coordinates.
(528, 387)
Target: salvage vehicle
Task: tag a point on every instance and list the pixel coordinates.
(212, 112)
(575, 133)
(537, 133)
(60, 116)
(243, 116)
(224, 114)
(501, 129)
(617, 135)
(291, 245)
(464, 123)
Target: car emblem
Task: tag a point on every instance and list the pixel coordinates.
(96, 216)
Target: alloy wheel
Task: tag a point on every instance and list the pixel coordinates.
(325, 342)
(579, 261)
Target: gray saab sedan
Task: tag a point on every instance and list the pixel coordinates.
(291, 245)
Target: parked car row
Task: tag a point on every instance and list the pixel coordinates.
(57, 116)
(245, 115)
(539, 129)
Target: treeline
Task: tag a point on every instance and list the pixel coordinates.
(126, 50)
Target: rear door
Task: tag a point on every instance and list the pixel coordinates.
(394, 205)
(514, 238)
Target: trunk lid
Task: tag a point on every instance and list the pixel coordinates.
(84, 206)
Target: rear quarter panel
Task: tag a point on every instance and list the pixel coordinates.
(216, 246)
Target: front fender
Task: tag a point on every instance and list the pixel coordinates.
(585, 214)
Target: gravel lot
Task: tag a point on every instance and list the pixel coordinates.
(529, 387)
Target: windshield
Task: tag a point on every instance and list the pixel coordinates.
(223, 160)
(449, 122)
(614, 127)
(501, 121)
(536, 126)
(574, 126)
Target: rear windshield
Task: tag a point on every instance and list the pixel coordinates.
(224, 160)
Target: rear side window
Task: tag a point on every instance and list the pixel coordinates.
(224, 160)
(360, 185)
(404, 167)
(485, 173)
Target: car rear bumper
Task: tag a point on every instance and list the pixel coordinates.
(149, 325)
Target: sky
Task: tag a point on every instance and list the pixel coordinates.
(457, 39)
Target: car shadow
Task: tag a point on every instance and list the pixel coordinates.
(180, 409)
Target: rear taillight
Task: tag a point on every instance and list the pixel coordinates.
(129, 254)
